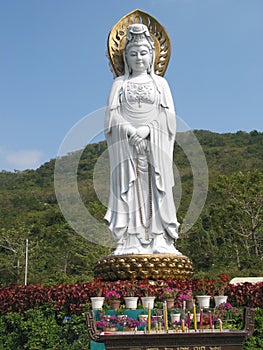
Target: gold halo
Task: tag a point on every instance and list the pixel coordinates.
(158, 33)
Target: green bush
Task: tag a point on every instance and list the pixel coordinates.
(43, 328)
(46, 328)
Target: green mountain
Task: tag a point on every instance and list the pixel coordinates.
(227, 236)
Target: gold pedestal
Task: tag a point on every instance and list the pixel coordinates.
(140, 266)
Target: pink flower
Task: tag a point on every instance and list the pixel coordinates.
(186, 295)
(132, 323)
(107, 321)
(112, 294)
(169, 293)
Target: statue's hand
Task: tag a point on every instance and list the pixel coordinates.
(135, 139)
(139, 143)
(141, 146)
(143, 131)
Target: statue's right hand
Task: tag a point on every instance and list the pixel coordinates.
(141, 146)
(134, 139)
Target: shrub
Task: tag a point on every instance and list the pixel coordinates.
(42, 328)
(71, 298)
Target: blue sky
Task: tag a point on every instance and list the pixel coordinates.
(54, 70)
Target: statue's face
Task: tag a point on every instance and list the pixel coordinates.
(138, 58)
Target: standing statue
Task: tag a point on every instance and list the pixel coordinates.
(140, 127)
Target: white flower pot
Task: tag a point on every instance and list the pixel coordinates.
(175, 317)
(131, 302)
(148, 302)
(203, 301)
(97, 302)
(219, 299)
(143, 318)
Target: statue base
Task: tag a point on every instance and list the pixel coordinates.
(143, 266)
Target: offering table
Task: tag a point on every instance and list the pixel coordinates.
(201, 339)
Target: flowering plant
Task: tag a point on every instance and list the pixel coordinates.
(185, 295)
(98, 287)
(169, 292)
(220, 284)
(146, 288)
(203, 286)
(132, 322)
(130, 288)
(122, 319)
(107, 321)
(112, 295)
(230, 316)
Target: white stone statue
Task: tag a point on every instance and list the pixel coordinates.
(140, 130)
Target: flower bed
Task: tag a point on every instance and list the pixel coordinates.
(72, 298)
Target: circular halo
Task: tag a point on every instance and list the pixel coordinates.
(116, 42)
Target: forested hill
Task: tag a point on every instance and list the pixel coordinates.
(226, 238)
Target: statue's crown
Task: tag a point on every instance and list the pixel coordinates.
(137, 28)
(138, 33)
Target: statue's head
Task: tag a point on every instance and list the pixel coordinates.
(138, 35)
(152, 33)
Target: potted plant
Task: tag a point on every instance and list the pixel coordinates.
(176, 316)
(203, 301)
(122, 318)
(108, 323)
(131, 324)
(147, 293)
(143, 317)
(220, 299)
(232, 317)
(130, 297)
(113, 298)
(186, 299)
(220, 286)
(169, 295)
(203, 298)
(148, 302)
(97, 299)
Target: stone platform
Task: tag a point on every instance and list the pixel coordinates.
(140, 266)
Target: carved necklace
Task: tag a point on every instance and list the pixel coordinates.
(140, 93)
(147, 224)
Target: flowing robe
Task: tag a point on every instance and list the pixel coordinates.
(123, 214)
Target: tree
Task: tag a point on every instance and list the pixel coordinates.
(12, 259)
(243, 193)
(235, 220)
